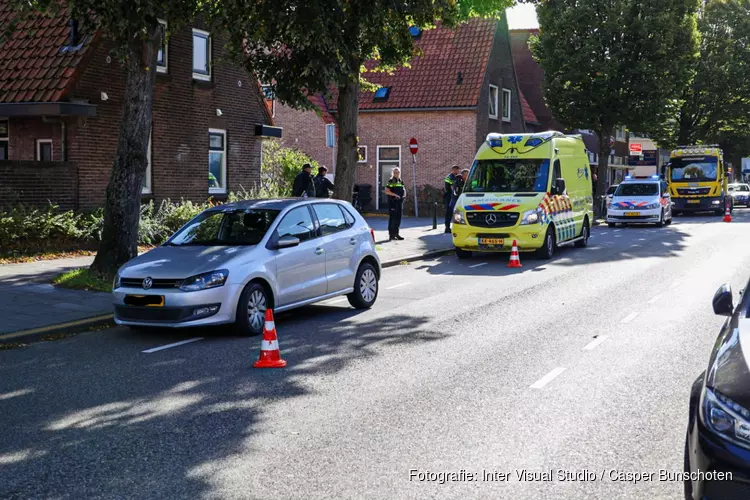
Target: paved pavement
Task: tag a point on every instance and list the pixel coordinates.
(582, 362)
(29, 301)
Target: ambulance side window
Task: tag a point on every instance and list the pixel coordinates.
(556, 173)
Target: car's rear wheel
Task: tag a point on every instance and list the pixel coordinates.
(585, 233)
(251, 310)
(365, 287)
(463, 254)
(661, 222)
(548, 247)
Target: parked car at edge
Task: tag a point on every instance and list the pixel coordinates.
(718, 434)
(231, 262)
(740, 194)
(610, 193)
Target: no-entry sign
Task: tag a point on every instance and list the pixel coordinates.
(413, 146)
(636, 149)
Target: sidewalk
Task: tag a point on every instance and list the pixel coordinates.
(29, 302)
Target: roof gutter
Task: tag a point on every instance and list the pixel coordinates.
(394, 110)
(28, 109)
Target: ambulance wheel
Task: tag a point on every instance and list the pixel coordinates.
(548, 248)
(585, 233)
(463, 254)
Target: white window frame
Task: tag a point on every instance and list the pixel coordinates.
(165, 67)
(146, 187)
(496, 102)
(6, 140)
(365, 158)
(39, 143)
(506, 111)
(219, 190)
(207, 36)
(377, 171)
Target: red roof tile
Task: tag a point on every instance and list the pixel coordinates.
(32, 64)
(431, 81)
(528, 113)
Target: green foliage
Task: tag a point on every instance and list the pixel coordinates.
(280, 166)
(84, 279)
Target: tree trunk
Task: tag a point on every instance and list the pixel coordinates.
(119, 241)
(346, 162)
(602, 170)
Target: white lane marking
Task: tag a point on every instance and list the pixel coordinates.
(591, 345)
(399, 285)
(479, 265)
(656, 299)
(547, 378)
(445, 273)
(630, 317)
(161, 348)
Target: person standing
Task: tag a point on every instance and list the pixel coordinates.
(459, 186)
(303, 184)
(323, 186)
(395, 191)
(450, 182)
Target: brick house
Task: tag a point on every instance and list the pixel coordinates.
(61, 99)
(462, 87)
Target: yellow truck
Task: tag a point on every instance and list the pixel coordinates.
(698, 181)
(535, 189)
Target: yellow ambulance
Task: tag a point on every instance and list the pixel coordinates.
(535, 189)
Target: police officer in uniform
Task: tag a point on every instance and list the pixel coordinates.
(450, 183)
(395, 191)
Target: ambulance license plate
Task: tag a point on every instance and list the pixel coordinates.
(144, 300)
(491, 241)
(694, 201)
(632, 214)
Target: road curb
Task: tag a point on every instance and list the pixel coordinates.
(69, 327)
(412, 258)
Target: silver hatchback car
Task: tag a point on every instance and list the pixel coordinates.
(231, 262)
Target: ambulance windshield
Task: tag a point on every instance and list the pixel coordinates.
(508, 176)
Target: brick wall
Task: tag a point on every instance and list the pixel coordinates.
(306, 131)
(38, 183)
(24, 132)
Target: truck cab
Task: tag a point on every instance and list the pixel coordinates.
(698, 181)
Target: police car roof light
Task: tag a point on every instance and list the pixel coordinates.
(628, 177)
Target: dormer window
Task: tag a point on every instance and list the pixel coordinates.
(382, 94)
(415, 32)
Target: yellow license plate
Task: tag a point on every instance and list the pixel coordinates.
(632, 214)
(491, 241)
(694, 201)
(145, 300)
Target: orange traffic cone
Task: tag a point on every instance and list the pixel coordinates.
(270, 356)
(514, 260)
(727, 214)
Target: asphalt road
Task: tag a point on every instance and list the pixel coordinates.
(580, 363)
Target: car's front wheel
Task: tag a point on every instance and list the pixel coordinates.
(251, 310)
(584, 241)
(365, 287)
(548, 247)
(463, 254)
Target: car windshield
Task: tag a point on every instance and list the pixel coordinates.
(226, 228)
(508, 176)
(739, 187)
(638, 189)
(694, 169)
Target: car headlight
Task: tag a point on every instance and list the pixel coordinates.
(532, 216)
(116, 281)
(725, 417)
(652, 206)
(458, 217)
(205, 281)
(716, 202)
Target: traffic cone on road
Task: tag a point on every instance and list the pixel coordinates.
(270, 356)
(727, 214)
(515, 262)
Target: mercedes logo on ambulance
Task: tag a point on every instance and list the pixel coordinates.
(491, 219)
(147, 283)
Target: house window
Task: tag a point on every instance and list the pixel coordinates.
(44, 150)
(270, 98)
(162, 55)
(4, 139)
(146, 188)
(389, 157)
(201, 55)
(361, 154)
(382, 94)
(620, 134)
(217, 161)
(506, 105)
(493, 102)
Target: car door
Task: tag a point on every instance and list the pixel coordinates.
(339, 243)
(300, 270)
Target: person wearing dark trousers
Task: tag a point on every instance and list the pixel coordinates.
(303, 184)
(450, 182)
(395, 191)
(323, 186)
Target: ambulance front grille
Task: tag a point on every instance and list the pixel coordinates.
(491, 218)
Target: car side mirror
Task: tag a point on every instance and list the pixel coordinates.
(287, 241)
(559, 186)
(723, 301)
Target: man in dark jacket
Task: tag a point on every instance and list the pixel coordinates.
(323, 186)
(450, 182)
(303, 184)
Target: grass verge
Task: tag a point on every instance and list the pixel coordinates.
(19, 258)
(83, 279)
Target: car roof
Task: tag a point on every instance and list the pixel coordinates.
(270, 204)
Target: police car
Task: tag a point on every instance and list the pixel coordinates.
(640, 200)
(740, 194)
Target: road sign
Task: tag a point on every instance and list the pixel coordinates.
(331, 135)
(611, 142)
(636, 149)
(413, 146)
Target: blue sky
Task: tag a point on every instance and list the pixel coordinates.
(522, 16)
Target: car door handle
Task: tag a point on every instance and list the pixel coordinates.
(352, 241)
(318, 251)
